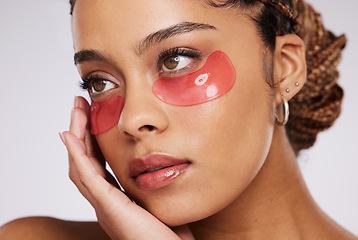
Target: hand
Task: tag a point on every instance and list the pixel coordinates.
(116, 213)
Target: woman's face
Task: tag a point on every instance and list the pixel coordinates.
(220, 145)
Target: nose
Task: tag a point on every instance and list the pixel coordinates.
(143, 114)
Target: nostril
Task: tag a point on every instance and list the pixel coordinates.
(146, 128)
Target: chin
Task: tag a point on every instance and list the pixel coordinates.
(177, 216)
(178, 208)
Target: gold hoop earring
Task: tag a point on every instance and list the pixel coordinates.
(286, 113)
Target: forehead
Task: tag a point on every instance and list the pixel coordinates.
(135, 18)
(107, 21)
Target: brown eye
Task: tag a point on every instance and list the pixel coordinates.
(176, 62)
(99, 85)
(171, 62)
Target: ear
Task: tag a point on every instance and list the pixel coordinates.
(289, 66)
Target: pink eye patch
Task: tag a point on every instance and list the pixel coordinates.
(105, 115)
(214, 79)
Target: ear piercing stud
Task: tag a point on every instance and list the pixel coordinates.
(296, 84)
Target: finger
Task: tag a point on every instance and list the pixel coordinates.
(73, 172)
(87, 174)
(92, 147)
(76, 151)
(80, 128)
(79, 119)
(82, 103)
(87, 141)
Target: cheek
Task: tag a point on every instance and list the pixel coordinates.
(230, 148)
(213, 80)
(227, 150)
(105, 115)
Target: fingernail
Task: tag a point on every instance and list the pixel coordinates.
(73, 109)
(75, 105)
(76, 102)
(62, 138)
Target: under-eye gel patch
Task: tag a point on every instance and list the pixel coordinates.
(105, 115)
(214, 79)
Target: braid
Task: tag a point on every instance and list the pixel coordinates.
(318, 104)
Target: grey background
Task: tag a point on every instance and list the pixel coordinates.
(38, 84)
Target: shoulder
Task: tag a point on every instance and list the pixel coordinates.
(51, 228)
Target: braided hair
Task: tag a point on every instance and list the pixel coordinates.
(318, 104)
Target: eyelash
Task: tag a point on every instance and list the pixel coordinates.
(195, 54)
(86, 81)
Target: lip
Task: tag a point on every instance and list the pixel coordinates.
(156, 170)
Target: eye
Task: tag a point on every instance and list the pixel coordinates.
(100, 85)
(176, 62)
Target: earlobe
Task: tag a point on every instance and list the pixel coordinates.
(290, 66)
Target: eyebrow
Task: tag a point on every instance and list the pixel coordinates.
(90, 55)
(176, 29)
(151, 39)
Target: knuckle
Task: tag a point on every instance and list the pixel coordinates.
(83, 180)
(71, 176)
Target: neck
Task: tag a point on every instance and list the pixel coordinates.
(276, 204)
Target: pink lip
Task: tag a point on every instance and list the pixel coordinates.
(156, 170)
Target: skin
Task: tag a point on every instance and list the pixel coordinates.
(243, 178)
(179, 131)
